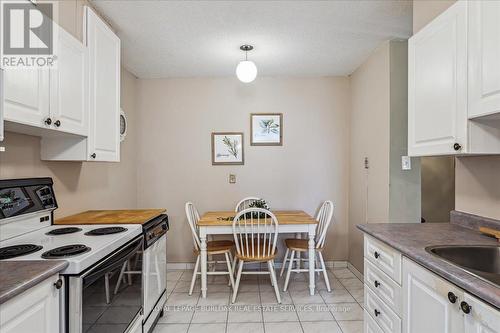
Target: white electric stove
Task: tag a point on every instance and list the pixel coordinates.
(103, 283)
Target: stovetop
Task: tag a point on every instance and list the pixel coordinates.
(81, 250)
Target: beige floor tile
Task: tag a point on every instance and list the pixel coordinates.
(279, 313)
(202, 316)
(218, 298)
(269, 297)
(183, 287)
(314, 312)
(292, 327)
(247, 298)
(171, 328)
(336, 296)
(347, 311)
(354, 326)
(304, 297)
(351, 284)
(321, 327)
(358, 294)
(174, 275)
(343, 273)
(245, 328)
(176, 315)
(245, 314)
(183, 299)
(207, 328)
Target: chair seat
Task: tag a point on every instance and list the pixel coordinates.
(258, 253)
(299, 245)
(217, 247)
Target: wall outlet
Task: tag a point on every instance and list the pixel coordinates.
(405, 162)
(232, 179)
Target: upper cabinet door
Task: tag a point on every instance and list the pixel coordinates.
(484, 58)
(69, 86)
(26, 96)
(437, 96)
(104, 64)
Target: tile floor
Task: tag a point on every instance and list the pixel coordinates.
(256, 310)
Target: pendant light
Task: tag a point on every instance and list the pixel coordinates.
(246, 71)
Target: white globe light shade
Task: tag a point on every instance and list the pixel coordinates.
(246, 71)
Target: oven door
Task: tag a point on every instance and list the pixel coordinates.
(108, 297)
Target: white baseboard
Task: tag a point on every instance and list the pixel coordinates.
(329, 264)
(355, 271)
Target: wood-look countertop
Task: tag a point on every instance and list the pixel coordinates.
(220, 218)
(130, 216)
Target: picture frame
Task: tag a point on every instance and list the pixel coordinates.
(228, 148)
(266, 129)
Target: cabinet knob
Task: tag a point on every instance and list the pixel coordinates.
(58, 284)
(377, 312)
(457, 146)
(57, 123)
(465, 307)
(376, 254)
(48, 121)
(377, 284)
(93, 155)
(452, 297)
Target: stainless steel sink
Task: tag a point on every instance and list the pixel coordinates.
(482, 261)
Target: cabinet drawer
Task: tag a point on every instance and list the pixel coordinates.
(384, 258)
(381, 313)
(384, 287)
(369, 325)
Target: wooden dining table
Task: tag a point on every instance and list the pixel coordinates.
(289, 222)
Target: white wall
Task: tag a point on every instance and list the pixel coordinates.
(177, 117)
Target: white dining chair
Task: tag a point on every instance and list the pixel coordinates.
(245, 203)
(295, 246)
(216, 247)
(255, 232)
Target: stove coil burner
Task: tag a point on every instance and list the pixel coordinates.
(18, 250)
(66, 251)
(63, 231)
(105, 231)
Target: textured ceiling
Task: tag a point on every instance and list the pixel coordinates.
(291, 38)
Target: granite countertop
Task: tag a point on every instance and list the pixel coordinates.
(412, 239)
(18, 276)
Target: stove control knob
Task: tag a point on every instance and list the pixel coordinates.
(58, 284)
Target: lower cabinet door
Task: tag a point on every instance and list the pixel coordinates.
(35, 310)
(431, 304)
(482, 318)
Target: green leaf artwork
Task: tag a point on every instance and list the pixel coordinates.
(269, 126)
(232, 146)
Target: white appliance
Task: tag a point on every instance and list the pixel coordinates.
(96, 255)
(2, 88)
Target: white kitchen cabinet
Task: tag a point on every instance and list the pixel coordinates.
(437, 85)
(69, 86)
(482, 318)
(26, 97)
(35, 310)
(2, 88)
(484, 59)
(454, 76)
(431, 304)
(104, 68)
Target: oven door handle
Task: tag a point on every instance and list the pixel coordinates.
(113, 263)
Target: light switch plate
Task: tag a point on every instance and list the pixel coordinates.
(406, 162)
(232, 179)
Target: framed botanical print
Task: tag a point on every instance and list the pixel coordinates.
(227, 148)
(266, 129)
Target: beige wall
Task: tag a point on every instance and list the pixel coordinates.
(80, 186)
(477, 179)
(370, 131)
(174, 150)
